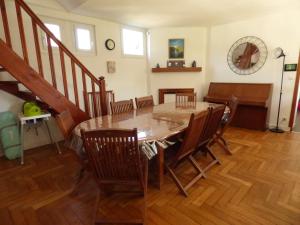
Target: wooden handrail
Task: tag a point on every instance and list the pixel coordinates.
(37, 24)
(53, 38)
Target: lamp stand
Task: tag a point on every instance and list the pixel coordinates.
(277, 129)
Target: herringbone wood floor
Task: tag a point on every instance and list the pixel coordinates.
(259, 184)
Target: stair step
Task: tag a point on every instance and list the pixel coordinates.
(9, 82)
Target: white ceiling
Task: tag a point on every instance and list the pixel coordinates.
(159, 13)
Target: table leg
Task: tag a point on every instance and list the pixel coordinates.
(21, 130)
(160, 166)
(51, 138)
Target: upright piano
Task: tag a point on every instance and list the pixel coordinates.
(254, 102)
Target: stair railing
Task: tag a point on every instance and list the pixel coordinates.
(96, 84)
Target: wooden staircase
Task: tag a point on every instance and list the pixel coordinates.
(12, 87)
(44, 92)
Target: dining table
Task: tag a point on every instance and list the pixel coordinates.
(154, 126)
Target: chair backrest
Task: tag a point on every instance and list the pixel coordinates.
(232, 104)
(143, 102)
(114, 157)
(186, 99)
(212, 124)
(66, 123)
(121, 106)
(93, 101)
(192, 134)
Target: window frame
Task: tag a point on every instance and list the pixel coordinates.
(43, 34)
(144, 42)
(92, 30)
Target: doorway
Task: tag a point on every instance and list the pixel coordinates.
(294, 123)
(297, 120)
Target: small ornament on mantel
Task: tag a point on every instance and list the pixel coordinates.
(111, 66)
(194, 64)
(157, 65)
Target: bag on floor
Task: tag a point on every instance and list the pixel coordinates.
(9, 135)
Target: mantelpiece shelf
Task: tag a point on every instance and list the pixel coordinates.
(176, 69)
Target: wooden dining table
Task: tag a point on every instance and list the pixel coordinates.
(156, 123)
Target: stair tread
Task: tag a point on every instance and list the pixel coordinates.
(9, 82)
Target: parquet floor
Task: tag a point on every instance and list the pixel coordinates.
(259, 184)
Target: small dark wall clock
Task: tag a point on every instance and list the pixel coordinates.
(110, 44)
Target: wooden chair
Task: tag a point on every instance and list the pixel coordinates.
(219, 139)
(212, 124)
(186, 99)
(122, 106)
(120, 171)
(93, 102)
(65, 123)
(143, 102)
(187, 148)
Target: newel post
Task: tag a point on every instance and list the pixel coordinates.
(103, 98)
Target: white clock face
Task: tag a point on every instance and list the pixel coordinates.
(110, 44)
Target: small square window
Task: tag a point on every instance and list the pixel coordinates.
(55, 29)
(133, 42)
(84, 38)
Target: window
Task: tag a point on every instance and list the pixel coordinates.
(55, 29)
(133, 42)
(84, 38)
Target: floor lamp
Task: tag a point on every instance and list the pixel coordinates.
(278, 53)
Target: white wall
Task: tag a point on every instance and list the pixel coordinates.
(134, 76)
(278, 30)
(195, 49)
(129, 81)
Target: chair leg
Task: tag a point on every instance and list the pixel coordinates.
(177, 182)
(215, 159)
(197, 166)
(222, 143)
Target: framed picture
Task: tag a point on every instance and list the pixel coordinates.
(290, 67)
(176, 48)
(111, 66)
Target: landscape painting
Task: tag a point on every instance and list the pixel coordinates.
(176, 48)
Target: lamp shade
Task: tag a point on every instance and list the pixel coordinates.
(278, 52)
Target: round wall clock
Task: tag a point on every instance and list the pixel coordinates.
(247, 55)
(110, 44)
